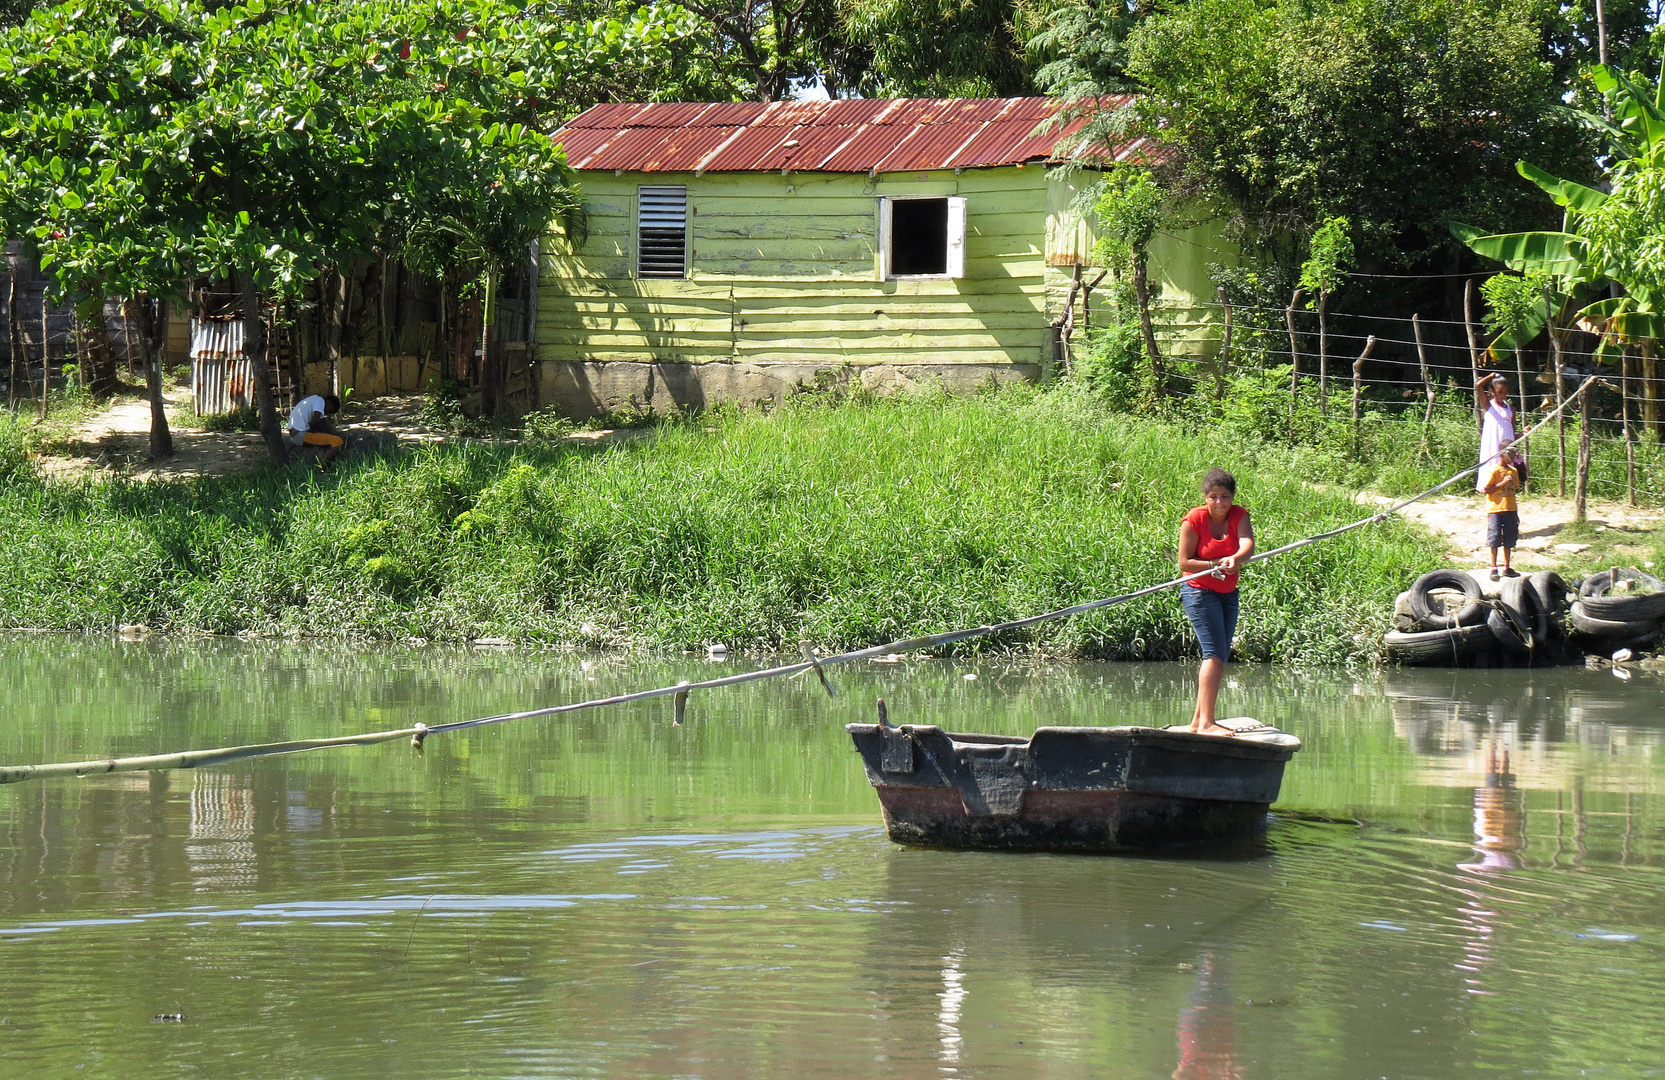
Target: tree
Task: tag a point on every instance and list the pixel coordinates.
(942, 48)
(1396, 114)
(154, 144)
(1131, 210)
(1330, 253)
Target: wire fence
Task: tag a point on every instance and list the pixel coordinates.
(1383, 380)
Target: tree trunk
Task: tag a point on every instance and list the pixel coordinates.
(153, 323)
(334, 303)
(491, 367)
(1630, 434)
(98, 368)
(1650, 394)
(254, 347)
(1141, 293)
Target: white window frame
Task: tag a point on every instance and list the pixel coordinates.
(955, 261)
(661, 191)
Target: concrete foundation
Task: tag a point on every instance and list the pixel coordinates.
(583, 390)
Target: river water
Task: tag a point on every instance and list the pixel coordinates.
(603, 894)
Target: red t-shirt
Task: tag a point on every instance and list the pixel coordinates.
(1209, 548)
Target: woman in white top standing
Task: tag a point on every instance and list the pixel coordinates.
(1497, 428)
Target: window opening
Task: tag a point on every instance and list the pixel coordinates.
(919, 237)
(922, 237)
(662, 232)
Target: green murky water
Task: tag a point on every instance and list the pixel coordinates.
(605, 895)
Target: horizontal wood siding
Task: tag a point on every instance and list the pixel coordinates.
(786, 268)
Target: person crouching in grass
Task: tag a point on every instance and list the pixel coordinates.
(1502, 514)
(309, 424)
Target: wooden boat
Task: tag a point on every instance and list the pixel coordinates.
(1103, 789)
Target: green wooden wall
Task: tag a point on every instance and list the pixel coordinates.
(784, 268)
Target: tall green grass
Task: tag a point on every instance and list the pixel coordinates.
(838, 524)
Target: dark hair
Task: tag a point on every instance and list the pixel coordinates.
(332, 403)
(1219, 478)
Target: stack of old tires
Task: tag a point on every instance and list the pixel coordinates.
(1618, 609)
(1445, 620)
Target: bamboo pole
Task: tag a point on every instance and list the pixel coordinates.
(1224, 360)
(1294, 358)
(192, 759)
(1473, 352)
(1630, 434)
(1427, 382)
(1581, 486)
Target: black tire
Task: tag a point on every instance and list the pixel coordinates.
(1609, 629)
(1550, 592)
(1438, 646)
(1404, 619)
(1599, 604)
(1472, 613)
(1514, 618)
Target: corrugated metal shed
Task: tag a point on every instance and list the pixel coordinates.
(859, 135)
(222, 379)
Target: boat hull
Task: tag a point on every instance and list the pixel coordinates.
(1071, 789)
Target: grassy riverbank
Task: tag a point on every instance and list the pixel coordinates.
(838, 524)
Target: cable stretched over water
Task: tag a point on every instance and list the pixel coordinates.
(190, 759)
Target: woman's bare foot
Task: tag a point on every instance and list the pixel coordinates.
(1214, 729)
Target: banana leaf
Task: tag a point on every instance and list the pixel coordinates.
(1575, 197)
(1551, 252)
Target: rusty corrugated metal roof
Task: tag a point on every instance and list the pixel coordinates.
(853, 135)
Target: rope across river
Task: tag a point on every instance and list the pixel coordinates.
(189, 759)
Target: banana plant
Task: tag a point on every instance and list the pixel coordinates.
(1607, 237)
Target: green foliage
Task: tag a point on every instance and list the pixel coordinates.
(1330, 256)
(941, 48)
(838, 524)
(244, 419)
(1516, 308)
(1131, 210)
(1396, 114)
(1081, 46)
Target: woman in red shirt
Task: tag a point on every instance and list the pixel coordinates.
(1216, 536)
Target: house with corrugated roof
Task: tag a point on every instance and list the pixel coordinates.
(737, 250)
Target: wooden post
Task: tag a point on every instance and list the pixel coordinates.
(1560, 391)
(1323, 357)
(1294, 358)
(1427, 382)
(45, 353)
(1650, 392)
(1224, 359)
(1520, 414)
(1630, 435)
(1581, 486)
(14, 332)
(1358, 387)
(1474, 351)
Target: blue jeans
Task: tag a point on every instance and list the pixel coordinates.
(1214, 617)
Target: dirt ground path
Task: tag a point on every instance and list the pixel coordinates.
(1461, 519)
(117, 440)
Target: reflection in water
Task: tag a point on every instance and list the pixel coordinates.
(1499, 824)
(1207, 1030)
(603, 894)
(948, 1014)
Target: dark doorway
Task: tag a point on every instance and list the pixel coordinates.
(918, 237)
